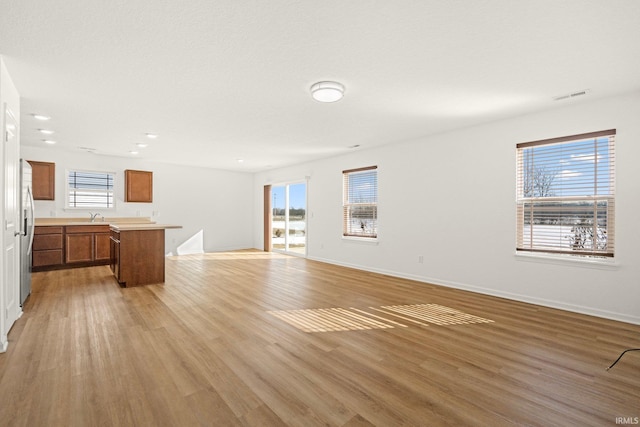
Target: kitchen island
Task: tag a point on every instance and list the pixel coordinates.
(137, 253)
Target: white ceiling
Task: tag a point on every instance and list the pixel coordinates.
(228, 79)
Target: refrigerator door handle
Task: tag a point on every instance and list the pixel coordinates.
(33, 222)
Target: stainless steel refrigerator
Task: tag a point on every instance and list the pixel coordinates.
(26, 230)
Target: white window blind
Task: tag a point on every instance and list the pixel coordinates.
(566, 195)
(90, 190)
(360, 202)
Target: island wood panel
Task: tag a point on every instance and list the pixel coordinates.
(140, 255)
(202, 349)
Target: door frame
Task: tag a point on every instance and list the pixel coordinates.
(268, 215)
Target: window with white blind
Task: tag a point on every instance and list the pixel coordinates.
(566, 195)
(90, 190)
(360, 202)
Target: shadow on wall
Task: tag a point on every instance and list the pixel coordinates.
(193, 245)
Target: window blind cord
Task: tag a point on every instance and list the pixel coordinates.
(622, 354)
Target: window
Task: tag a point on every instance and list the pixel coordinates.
(360, 202)
(566, 195)
(90, 190)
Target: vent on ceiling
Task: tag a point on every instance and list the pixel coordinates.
(571, 95)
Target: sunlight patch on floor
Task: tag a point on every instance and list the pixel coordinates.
(353, 319)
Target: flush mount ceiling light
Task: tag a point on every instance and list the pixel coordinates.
(40, 117)
(142, 145)
(48, 141)
(151, 135)
(45, 131)
(327, 91)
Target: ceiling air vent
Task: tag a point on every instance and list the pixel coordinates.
(571, 95)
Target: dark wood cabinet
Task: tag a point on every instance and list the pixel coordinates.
(70, 246)
(79, 248)
(87, 244)
(138, 186)
(47, 247)
(43, 180)
(102, 247)
(115, 254)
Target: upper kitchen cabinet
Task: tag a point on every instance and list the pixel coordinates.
(138, 186)
(43, 184)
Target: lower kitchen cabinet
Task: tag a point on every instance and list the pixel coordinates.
(70, 246)
(87, 244)
(102, 247)
(47, 248)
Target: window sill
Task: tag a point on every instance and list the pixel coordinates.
(589, 262)
(361, 240)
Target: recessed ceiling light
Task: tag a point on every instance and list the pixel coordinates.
(354, 146)
(327, 91)
(134, 152)
(240, 160)
(45, 131)
(142, 145)
(41, 117)
(151, 135)
(48, 141)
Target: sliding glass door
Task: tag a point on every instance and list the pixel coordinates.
(289, 218)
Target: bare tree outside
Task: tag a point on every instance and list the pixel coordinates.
(538, 181)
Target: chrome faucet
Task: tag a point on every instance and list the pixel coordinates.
(93, 216)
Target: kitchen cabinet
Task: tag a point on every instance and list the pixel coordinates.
(47, 247)
(43, 180)
(115, 254)
(87, 244)
(69, 246)
(138, 186)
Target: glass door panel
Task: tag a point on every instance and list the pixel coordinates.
(297, 218)
(278, 216)
(289, 218)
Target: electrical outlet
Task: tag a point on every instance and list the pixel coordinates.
(420, 259)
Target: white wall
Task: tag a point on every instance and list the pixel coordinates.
(451, 199)
(196, 198)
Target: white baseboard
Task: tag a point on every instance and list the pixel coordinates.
(487, 291)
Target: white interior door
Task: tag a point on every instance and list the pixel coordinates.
(11, 254)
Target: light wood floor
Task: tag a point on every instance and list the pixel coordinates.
(206, 349)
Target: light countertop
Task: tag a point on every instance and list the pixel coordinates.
(60, 222)
(150, 226)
